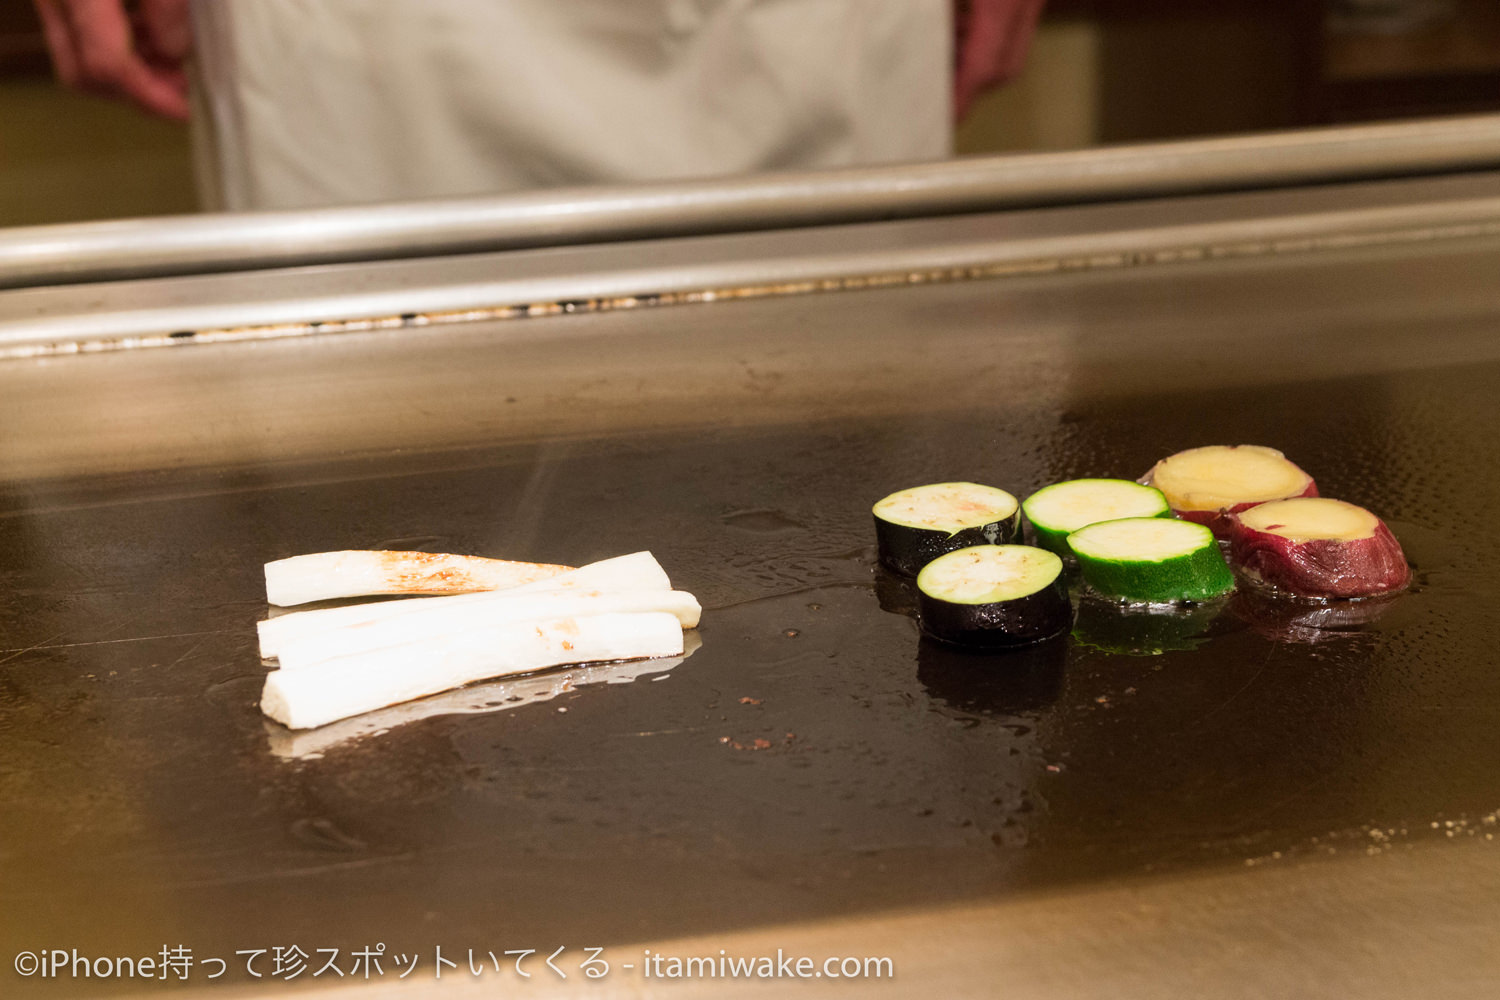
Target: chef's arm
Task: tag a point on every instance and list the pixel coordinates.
(993, 37)
(99, 47)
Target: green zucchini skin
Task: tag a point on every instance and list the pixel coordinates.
(1199, 575)
(1056, 540)
(1052, 541)
(904, 549)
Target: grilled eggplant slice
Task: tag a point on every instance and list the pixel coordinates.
(916, 525)
(994, 597)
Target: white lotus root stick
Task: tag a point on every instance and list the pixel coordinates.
(324, 576)
(636, 571)
(507, 606)
(350, 685)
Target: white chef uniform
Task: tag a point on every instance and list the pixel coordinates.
(314, 102)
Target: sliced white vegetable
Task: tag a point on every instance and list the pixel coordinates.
(636, 571)
(351, 685)
(323, 576)
(506, 606)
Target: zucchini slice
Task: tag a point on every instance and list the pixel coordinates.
(916, 525)
(1152, 560)
(1058, 510)
(994, 597)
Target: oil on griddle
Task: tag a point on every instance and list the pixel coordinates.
(812, 758)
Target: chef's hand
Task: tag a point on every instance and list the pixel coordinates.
(993, 39)
(100, 48)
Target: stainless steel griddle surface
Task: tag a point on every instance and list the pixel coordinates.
(813, 758)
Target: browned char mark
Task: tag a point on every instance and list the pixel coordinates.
(427, 573)
(442, 573)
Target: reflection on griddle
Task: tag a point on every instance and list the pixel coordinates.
(1286, 618)
(1009, 683)
(494, 696)
(1143, 631)
(896, 594)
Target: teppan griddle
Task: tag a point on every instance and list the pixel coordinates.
(1265, 803)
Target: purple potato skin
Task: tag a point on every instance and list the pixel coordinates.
(1360, 567)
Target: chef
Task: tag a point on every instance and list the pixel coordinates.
(300, 103)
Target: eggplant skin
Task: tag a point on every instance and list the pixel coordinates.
(1361, 567)
(905, 550)
(1004, 625)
